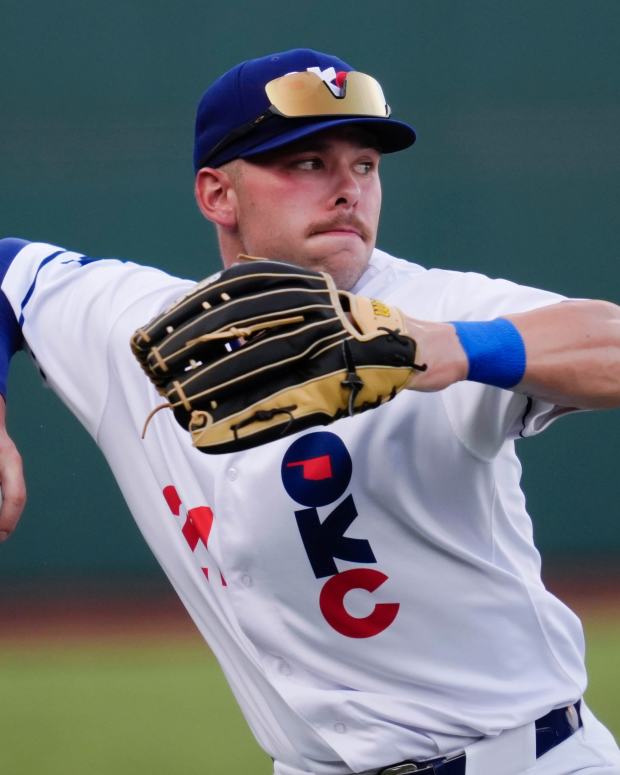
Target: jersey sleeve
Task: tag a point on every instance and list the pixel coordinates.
(10, 334)
(65, 305)
(483, 417)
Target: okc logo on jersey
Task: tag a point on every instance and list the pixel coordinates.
(316, 471)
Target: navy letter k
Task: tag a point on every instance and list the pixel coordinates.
(325, 540)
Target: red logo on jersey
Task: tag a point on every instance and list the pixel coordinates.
(331, 601)
(315, 468)
(197, 525)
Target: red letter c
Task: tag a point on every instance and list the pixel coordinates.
(331, 602)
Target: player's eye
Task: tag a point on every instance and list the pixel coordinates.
(308, 164)
(364, 167)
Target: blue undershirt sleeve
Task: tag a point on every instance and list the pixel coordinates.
(11, 338)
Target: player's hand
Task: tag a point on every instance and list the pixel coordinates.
(442, 352)
(12, 481)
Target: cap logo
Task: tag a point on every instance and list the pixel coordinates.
(328, 76)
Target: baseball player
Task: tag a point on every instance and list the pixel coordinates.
(370, 588)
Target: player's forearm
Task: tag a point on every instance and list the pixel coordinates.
(570, 354)
(11, 480)
(573, 353)
(12, 485)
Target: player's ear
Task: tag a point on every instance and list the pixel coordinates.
(215, 196)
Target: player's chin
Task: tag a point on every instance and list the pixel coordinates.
(344, 264)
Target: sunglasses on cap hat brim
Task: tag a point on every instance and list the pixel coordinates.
(303, 95)
(307, 95)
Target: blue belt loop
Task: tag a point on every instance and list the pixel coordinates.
(551, 730)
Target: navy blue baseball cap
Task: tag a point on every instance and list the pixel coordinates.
(237, 119)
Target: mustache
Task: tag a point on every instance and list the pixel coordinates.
(340, 222)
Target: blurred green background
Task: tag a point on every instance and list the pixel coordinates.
(515, 173)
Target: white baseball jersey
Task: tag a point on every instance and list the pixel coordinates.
(370, 588)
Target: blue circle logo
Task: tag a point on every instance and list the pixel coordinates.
(316, 469)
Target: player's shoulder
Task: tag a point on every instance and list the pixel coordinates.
(33, 271)
(25, 252)
(22, 256)
(11, 247)
(446, 294)
(385, 267)
(387, 275)
(392, 267)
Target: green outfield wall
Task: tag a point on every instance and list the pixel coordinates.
(516, 173)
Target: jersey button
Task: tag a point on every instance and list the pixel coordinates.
(284, 668)
(232, 474)
(246, 580)
(340, 728)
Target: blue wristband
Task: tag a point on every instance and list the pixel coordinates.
(495, 351)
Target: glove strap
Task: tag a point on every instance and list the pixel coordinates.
(352, 380)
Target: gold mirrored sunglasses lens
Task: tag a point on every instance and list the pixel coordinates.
(306, 94)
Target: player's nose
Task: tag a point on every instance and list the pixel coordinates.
(346, 188)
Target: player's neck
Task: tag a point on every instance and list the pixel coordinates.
(230, 246)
